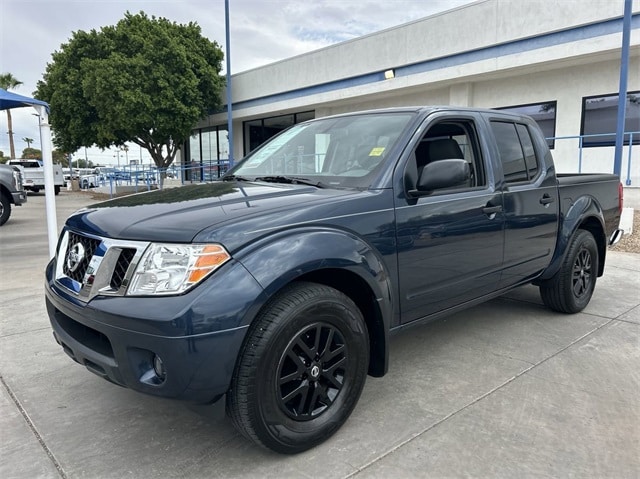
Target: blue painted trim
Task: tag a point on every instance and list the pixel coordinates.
(517, 46)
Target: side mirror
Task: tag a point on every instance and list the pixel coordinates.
(440, 175)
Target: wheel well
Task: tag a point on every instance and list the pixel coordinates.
(593, 226)
(361, 294)
(5, 192)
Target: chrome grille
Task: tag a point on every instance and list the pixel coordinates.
(89, 266)
(121, 267)
(90, 245)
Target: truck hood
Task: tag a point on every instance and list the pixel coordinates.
(179, 214)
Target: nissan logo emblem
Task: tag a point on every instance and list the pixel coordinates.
(75, 256)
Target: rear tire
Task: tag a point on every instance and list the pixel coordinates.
(5, 208)
(301, 369)
(56, 189)
(571, 288)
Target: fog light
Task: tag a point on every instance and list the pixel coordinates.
(158, 367)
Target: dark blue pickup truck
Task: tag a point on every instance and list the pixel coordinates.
(279, 285)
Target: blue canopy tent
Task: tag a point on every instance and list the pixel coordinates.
(13, 100)
(9, 100)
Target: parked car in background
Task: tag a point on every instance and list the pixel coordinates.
(70, 174)
(11, 191)
(110, 173)
(143, 176)
(89, 181)
(33, 174)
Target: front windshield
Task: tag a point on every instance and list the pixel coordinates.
(342, 151)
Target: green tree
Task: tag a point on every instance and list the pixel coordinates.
(82, 163)
(146, 80)
(28, 141)
(57, 156)
(60, 157)
(9, 82)
(32, 154)
(3, 159)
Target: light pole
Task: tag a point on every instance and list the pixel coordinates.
(229, 102)
(125, 148)
(38, 117)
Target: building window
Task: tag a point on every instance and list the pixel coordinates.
(600, 117)
(256, 132)
(544, 115)
(207, 154)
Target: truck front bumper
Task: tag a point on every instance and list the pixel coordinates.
(160, 347)
(19, 197)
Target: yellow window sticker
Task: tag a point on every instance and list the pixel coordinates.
(377, 151)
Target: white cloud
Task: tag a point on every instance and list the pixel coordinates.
(262, 31)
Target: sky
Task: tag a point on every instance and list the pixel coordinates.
(262, 32)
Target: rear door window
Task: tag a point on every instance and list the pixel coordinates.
(517, 154)
(528, 150)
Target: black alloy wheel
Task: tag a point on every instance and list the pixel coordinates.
(311, 371)
(571, 288)
(301, 369)
(582, 273)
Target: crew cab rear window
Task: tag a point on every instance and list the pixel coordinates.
(516, 150)
(528, 150)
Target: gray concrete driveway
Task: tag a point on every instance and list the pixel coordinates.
(506, 389)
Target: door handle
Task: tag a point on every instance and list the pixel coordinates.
(488, 210)
(546, 199)
(491, 211)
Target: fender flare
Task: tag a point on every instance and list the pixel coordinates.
(301, 253)
(584, 211)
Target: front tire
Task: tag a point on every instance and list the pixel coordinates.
(5, 208)
(571, 288)
(301, 370)
(56, 190)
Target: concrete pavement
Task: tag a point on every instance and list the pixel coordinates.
(506, 389)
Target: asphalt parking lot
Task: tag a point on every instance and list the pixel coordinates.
(506, 389)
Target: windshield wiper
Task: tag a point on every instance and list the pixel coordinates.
(290, 179)
(234, 178)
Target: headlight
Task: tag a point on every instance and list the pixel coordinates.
(17, 179)
(174, 268)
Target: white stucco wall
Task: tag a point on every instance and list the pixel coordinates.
(567, 86)
(470, 27)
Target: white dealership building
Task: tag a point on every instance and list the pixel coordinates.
(556, 60)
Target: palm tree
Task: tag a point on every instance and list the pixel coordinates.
(28, 141)
(9, 82)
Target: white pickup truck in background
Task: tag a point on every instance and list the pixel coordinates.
(33, 174)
